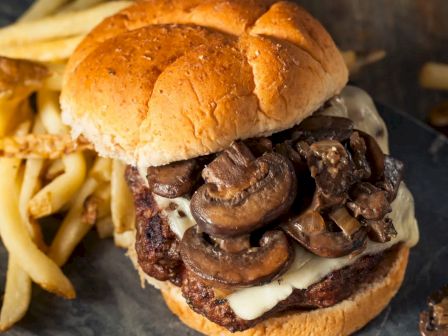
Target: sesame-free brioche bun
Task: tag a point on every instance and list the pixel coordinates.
(164, 80)
(341, 319)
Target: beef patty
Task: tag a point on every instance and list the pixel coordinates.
(158, 255)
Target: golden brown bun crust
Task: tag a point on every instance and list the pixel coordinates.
(342, 319)
(169, 80)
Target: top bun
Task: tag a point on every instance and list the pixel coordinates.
(163, 81)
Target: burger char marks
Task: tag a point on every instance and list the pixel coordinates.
(156, 245)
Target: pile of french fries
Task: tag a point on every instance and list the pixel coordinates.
(42, 171)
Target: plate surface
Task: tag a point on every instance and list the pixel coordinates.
(111, 302)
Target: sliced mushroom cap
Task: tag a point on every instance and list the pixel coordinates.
(375, 156)
(310, 230)
(368, 201)
(381, 231)
(358, 148)
(229, 166)
(331, 167)
(348, 224)
(264, 191)
(173, 180)
(393, 175)
(253, 266)
(321, 127)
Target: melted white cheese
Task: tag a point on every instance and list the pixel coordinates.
(307, 268)
(179, 216)
(356, 104)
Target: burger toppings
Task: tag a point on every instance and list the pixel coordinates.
(323, 183)
(173, 180)
(241, 267)
(242, 194)
(434, 322)
(313, 233)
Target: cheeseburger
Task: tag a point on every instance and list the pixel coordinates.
(266, 199)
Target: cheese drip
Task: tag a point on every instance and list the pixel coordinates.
(307, 269)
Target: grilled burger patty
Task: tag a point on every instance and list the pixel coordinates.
(158, 255)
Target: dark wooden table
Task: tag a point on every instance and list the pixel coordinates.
(411, 31)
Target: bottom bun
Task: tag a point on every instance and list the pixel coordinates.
(343, 318)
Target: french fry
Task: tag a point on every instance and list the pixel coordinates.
(17, 295)
(54, 80)
(55, 169)
(29, 186)
(50, 113)
(59, 26)
(105, 227)
(74, 228)
(122, 205)
(18, 242)
(102, 197)
(434, 76)
(125, 239)
(43, 51)
(102, 169)
(60, 191)
(41, 8)
(80, 5)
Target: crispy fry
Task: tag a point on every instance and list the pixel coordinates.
(43, 51)
(28, 188)
(54, 80)
(41, 8)
(55, 169)
(42, 146)
(102, 197)
(17, 295)
(434, 76)
(73, 228)
(18, 242)
(102, 169)
(59, 192)
(122, 206)
(60, 26)
(125, 239)
(355, 61)
(105, 227)
(80, 5)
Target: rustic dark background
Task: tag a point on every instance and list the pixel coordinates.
(410, 31)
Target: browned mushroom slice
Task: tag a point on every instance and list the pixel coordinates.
(347, 223)
(234, 245)
(393, 175)
(358, 148)
(310, 230)
(317, 128)
(374, 155)
(249, 267)
(368, 201)
(331, 167)
(265, 190)
(323, 202)
(435, 321)
(381, 231)
(228, 168)
(173, 180)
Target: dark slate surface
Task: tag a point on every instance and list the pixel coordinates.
(110, 301)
